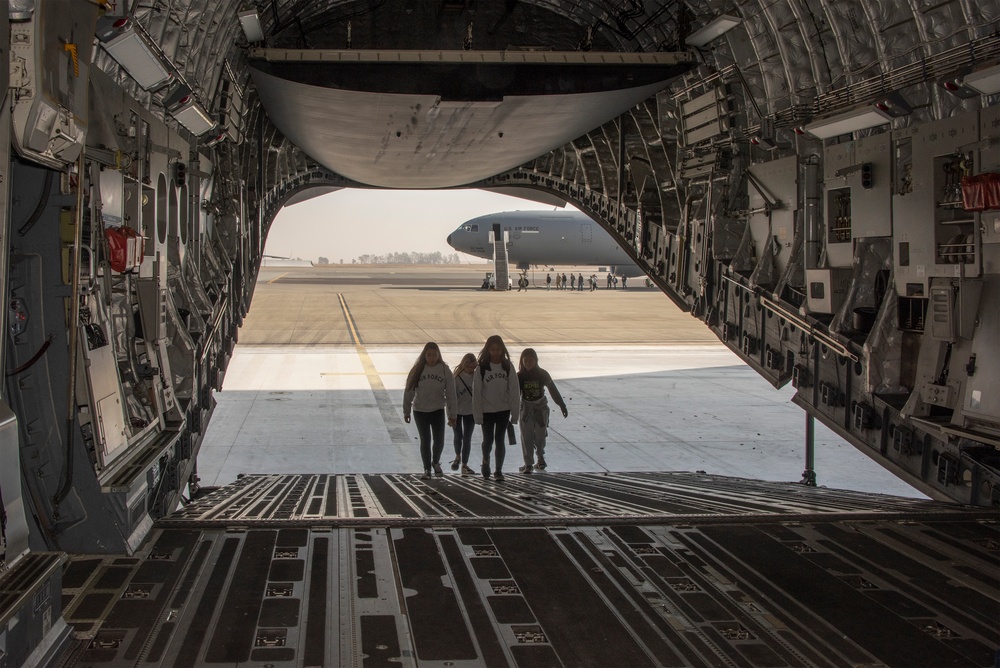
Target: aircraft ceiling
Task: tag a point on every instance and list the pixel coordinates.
(382, 136)
(787, 59)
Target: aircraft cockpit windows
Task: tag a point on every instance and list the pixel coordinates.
(470, 228)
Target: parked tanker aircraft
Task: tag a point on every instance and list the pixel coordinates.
(544, 238)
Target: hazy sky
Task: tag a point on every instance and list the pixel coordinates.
(349, 223)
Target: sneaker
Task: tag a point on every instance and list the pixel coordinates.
(498, 476)
(525, 469)
(467, 471)
(426, 475)
(455, 464)
(437, 469)
(486, 471)
(540, 466)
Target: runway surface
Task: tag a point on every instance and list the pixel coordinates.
(315, 384)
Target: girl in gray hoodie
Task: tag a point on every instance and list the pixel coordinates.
(430, 388)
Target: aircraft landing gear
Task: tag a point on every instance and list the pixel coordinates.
(809, 474)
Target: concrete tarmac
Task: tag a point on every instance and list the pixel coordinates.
(315, 383)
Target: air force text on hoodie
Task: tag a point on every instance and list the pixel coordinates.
(435, 390)
(494, 391)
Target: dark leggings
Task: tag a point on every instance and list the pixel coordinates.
(426, 424)
(464, 426)
(495, 429)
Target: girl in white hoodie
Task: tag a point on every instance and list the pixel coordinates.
(430, 388)
(495, 401)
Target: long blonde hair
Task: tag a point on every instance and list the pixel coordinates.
(469, 357)
(413, 377)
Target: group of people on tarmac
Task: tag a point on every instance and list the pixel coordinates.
(486, 391)
(576, 282)
(613, 282)
(563, 283)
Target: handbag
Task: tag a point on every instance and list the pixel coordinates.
(511, 437)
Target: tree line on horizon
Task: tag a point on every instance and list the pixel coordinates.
(437, 257)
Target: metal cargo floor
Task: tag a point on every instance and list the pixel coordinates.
(545, 570)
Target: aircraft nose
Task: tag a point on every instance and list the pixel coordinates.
(449, 241)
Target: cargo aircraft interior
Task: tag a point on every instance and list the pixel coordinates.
(816, 181)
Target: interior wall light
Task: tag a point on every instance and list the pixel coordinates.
(956, 86)
(215, 139)
(252, 28)
(20, 10)
(766, 136)
(894, 104)
(859, 118)
(173, 95)
(192, 115)
(128, 47)
(713, 30)
(766, 143)
(986, 80)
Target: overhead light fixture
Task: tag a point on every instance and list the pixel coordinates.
(215, 140)
(20, 10)
(859, 118)
(894, 104)
(765, 137)
(713, 30)
(766, 143)
(192, 115)
(986, 80)
(129, 48)
(252, 28)
(173, 96)
(956, 86)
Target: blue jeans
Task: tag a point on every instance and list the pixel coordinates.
(495, 429)
(428, 423)
(464, 426)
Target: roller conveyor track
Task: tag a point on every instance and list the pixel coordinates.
(545, 570)
(536, 499)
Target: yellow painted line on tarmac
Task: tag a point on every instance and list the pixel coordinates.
(349, 319)
(362, 373)
(390, 416)
(277, 277)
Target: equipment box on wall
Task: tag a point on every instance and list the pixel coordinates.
(826, 288)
